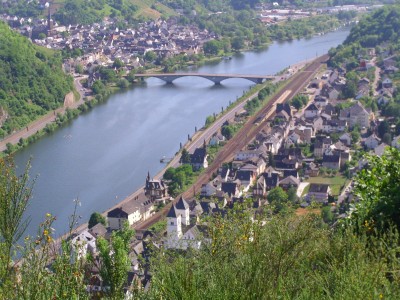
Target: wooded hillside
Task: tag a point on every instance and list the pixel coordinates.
(31, 80)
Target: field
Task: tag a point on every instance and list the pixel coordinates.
(336, 183)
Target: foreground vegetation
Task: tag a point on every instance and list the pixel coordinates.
(267, 257)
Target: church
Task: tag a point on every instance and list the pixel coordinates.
(180, 233)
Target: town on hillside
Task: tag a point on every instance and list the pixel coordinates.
(303, 158)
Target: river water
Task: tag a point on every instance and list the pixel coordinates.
(105, 154)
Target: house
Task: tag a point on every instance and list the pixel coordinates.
(380, 149)
(216, 139)
(208, 190)
(155, 189)
(232, 188)
(139, 208)
(356, 115)
(246, 177)
(318, 192)
(396, 142)
(130, 212)
(271, 179)
(345, 138)
(83, 243)
(273, 142)
(372, 141)
(311, 170)
(289, 182)
(198, 159)
(387, 83)
(260, 188)
(311, 111)
(320, 145)
(331, 161)
(248, 154)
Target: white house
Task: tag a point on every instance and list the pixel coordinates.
(83, 243)
(311, 111)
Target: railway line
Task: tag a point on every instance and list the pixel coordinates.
(245, 135)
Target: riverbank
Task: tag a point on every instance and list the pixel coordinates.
(53, 120)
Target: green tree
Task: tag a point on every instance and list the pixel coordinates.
(96, 218)
(118, 63)
(15, 191)
(212, 47)
(327, 215)
(123, 83)
(114, 261)
(150, 56)
(237, 43)
(185, 156)
(355, 136)
(79, 69)
(378, 188)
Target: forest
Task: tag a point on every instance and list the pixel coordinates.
(32, 81)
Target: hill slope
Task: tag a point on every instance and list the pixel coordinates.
(31, 81)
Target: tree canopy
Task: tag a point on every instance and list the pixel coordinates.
(31, 80)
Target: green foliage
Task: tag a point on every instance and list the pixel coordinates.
(96, 218)
(303, 27)
(179, 178)
(374, 29)
(287, 258)
(31, 80)
(14, 193)
(185, 156)
(88, 12)
(327, 215)
(380, 26)
(378, 188)
(228, 131)
(299, 101)
(150, 56)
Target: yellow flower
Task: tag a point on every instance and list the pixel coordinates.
(45, 232)
(48, 215)
(380, 296)
(48, 239)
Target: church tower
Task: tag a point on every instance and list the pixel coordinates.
(174, 228)
(182, 207)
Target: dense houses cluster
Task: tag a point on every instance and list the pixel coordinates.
(103, 43)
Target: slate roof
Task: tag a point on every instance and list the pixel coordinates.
(198, 156)
(318, 188)
(182, 204)
(271, 181)
(172, 212)
(244, 175)
(229, 187)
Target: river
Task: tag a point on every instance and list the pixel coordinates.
(105, 154)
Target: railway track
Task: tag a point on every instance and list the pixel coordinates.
(245, 135)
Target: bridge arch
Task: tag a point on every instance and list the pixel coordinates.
(216, 79)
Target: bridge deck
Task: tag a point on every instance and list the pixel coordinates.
(205, 75)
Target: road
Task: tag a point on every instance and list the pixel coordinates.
(41, 123)
(247, 133)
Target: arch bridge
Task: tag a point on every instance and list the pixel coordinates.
(216, 78)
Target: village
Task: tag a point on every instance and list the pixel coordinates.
(309, 154)
(101, 44)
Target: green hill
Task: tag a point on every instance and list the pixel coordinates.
(31, 80)
(381, 26)
(380, 30)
